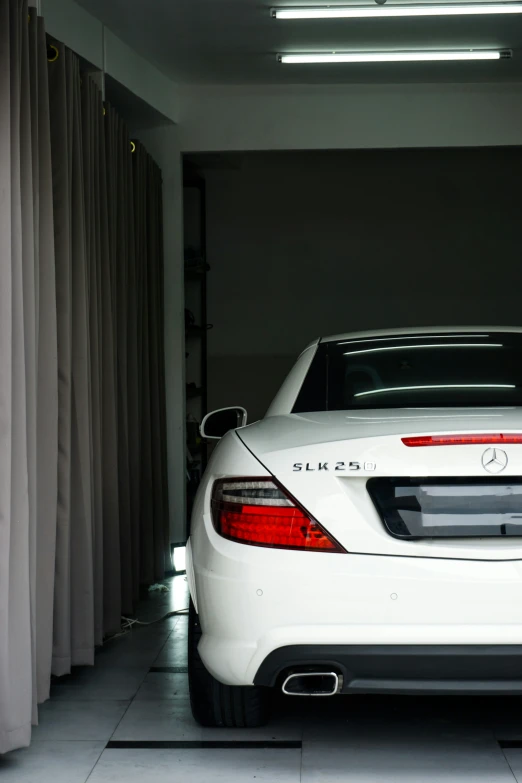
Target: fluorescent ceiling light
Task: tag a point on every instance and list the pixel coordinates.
(391, 57)
(414, 347)
(372, 12)
(442, 386)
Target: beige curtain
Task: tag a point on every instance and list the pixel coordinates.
(121, 244)
(28, 377)
(96, 249)
(74, 591)
(83, 494)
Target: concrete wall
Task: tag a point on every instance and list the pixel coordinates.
(304, 244)
(350, 117)
(88, 37)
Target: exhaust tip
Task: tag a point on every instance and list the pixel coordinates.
(312, 684)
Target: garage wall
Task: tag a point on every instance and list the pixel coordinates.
(367, 116)
(304, 244)
(88, 37)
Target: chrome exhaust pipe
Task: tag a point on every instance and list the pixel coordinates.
(313, 684)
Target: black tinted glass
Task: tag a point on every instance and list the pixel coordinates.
(449, 508)
(417, 371)
(220, 422)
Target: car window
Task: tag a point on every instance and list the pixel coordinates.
(415, 371)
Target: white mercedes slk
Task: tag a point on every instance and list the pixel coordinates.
(366, 535)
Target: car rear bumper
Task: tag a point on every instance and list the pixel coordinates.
(403, 669)
(254, 602)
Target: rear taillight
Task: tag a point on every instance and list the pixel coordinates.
(260, 513)
(462, 440)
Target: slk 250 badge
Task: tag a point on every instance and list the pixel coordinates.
(334, 466)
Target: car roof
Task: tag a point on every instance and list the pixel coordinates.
(405, 331)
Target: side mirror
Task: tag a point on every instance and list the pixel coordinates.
(218, 423)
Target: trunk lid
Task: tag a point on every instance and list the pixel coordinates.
(326, 459)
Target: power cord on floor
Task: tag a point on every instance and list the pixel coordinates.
(128, 623)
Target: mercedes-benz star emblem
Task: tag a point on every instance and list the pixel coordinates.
(494, 460)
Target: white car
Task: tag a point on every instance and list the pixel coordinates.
(366, 535)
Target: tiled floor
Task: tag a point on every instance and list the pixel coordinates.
(137, 694)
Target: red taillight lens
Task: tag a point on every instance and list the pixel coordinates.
(461, 440)
(260, 513)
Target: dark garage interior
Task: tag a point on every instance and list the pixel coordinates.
(181, 214)
(303, 244)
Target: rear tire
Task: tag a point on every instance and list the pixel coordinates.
(214, 704)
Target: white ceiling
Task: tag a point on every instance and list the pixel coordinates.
(236, 42)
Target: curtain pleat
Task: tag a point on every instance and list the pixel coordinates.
(83, 492)
(133, 385)
(29, 177)
(120, 193)
(147, 569)
(111, 499)
(47, 394)
(15, 605)
(60, 91)
(93, 168)
(82, 597)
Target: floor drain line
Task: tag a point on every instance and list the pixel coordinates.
(202, 745)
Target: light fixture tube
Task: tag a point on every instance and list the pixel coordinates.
(390, 11)
(392, 57)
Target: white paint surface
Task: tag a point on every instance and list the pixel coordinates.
(343, 117)
(78, 29)
(87, 36)
(451, 591)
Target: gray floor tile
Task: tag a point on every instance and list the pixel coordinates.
(158, 686)
(176, 641)
(198, 766)
(170, 659)
(158, 604)
(514, 758)
(51, 762)
(99, 684)
(86, 720)
(172, 720)
(139, 648)
(374, 759)
(173, 653)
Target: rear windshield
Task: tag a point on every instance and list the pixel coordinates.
(416, 371)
